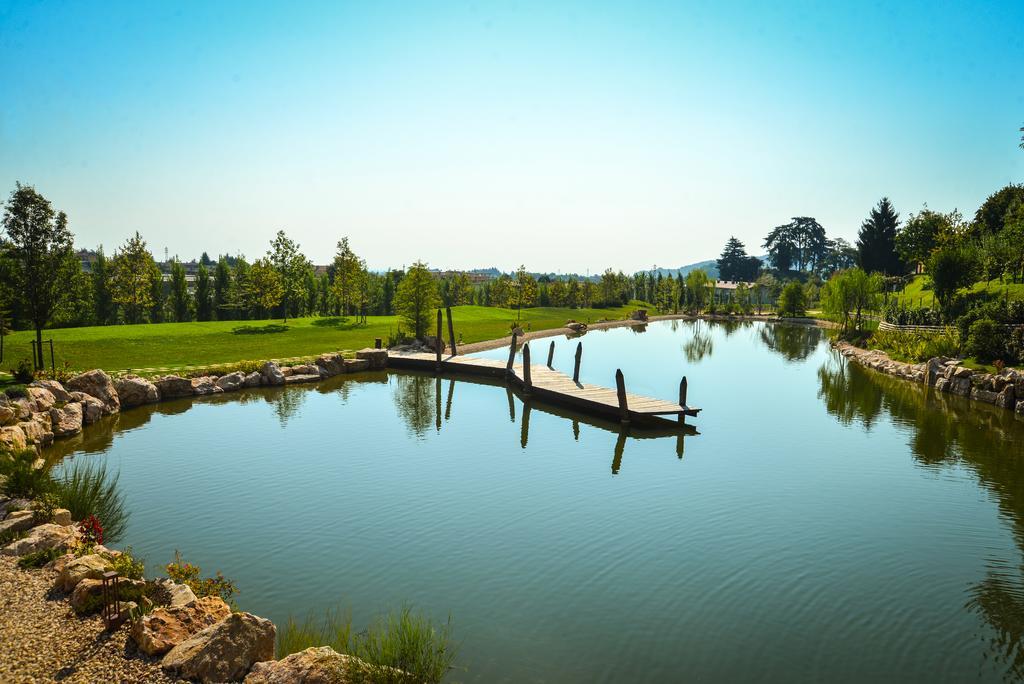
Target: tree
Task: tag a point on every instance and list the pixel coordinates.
(951, 267)
(792, 300)
(838, 256)
(204, 303)
(132, 278)
(222, 289)
(103, 299)
(239, 299)
(264, 288)
(876, 241)
(41, 250)
(416, 298)
(524, 291)
(848, 293)
(994, 256)
(920, 235)
(991, 215)
(1013, 234)
(697, 283)
(205, 260)
(781, 249)
(158, 294)
(285, 256)
(349, 277)
(461, 289)
(735, 264)
(179, 293)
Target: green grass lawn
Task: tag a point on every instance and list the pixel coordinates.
(915, 294)
(179, 345)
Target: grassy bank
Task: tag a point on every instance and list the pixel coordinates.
(918, 292)
(179, 345)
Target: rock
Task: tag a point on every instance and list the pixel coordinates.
(330, 364)
(55, 388)
(92, 408)
(98, 384)
(322, 665)
(67, 421)
(62, 517)
(933, 370)
(18, 521)
(961, 372)
(225, 651)
(87, 567)
(960, 385)
(10, 506)
(272, 375)
(253, 379)
(231, 381)
(23, 408)
(286, 371)
(205, 385)
(41, 397)
(306, 369)
(987, 396)
(356, 365)
(135, 391)
(42, 538)
(294, 379)
(173, 387)
(377, 358)
(1020, 407)
(36, 432)
(164, 628)
(7, 414)
(1007, 398)
(174, 594)
(13, 438)
(88, 594)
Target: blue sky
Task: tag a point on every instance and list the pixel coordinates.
(566, 136)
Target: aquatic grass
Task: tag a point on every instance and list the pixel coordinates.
(401, 647)
(21, 479)
(89, 489)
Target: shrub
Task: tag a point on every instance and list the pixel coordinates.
(61, 374)
(792, 301)
(986, 340)
(127, 565)
(88, 490)
(190, 575)
(22, 479)
(38, 559)
(916, 346)
(23, 373)
(44, 507)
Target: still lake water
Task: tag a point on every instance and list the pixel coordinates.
(827, 523)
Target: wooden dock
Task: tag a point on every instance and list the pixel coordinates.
(548, 384)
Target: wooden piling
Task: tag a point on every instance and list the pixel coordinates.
(511, 354)
(377, 343)
(551, 354)
(682, 392)
(576, 365)
(524, 432)
(440, 341)
(620, 390)
(620, 447)
(451, 330)
(526, 367)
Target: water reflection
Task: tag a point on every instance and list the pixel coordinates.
(700, 343)
(949, 431)
(792, 342)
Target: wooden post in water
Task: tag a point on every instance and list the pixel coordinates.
(511, 404)
(682, 392)
(511, 354)
(451, 330)
(620, 390)
(527, 382)
(620, 447)
(440, 341)
(448, 405)
(551, 354)
(576, 366)
(524, 432)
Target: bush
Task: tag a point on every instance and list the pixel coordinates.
(38, 559)
(23, 373)
(792, 301)
(127, 565)
(22, 480)
(87, 489)
(44, 507)
(188, 574)
(916, 346)
(986, 340)
(898, 314)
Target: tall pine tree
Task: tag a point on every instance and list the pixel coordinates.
(876, 241)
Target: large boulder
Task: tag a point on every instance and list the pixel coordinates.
(301, 377)
(41, 397)
(253, 379)
(317, 665)
(306, 369)
(23, 408)
(231, 381)
(173, 594)
(356, 365)
(92, 408)
(205, 385)
(377, 358)
(135, 391)
(66, 421)
(42, 538)
(98, 384)
(173, 387)
(87, 597)
(17, 521)
(164, 628)
(272, 374)
(225, 651)
(1007, 397)
(13, 437)
(87, 567)
(55, 388)
(8, 415)
(330, 364)
(37, 431)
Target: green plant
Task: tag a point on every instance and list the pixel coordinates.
(61, 374)
(986, 340)
(38, 559)
(916, 346)
(190, 575)
(23, 372)
(15, 391)
(127, 565)
(401, 647)
(22, 478)
(792, 300)
(44, 507)
(12, 536)
(88, 489)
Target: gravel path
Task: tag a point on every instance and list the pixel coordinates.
(42, 640)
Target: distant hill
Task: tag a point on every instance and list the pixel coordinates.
(710, 267)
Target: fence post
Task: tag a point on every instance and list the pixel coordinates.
(551, 354)
(527, 381)
(576, 365)
(620, 390)
(439, 340)
(451, 330)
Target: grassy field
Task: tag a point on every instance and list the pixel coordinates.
(180, 345)
(917, 294)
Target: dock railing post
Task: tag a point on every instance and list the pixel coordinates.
(439, 340)
(527, 381)
(511, 355)
(551, 354)
(576, 365)
(451, 330)
(620, 390)
(682, 392)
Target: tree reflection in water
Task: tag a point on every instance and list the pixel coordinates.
(792, 342)
(287, 402)
(699, 344)
(417, 398)
(948, 431)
